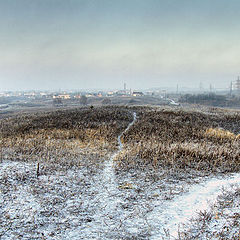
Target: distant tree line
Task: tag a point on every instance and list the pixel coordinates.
(6, 100)
(83, 100)
(106, 101)
(57, 102)
(211, 99)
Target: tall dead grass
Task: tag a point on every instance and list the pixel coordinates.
(64, 136)
(178, 139)
(221, 133)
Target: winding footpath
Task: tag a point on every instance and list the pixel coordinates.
(85, 206)
(165, 218)
(108, 211)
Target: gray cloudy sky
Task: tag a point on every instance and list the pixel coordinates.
(78, 44)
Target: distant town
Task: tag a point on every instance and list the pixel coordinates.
(229, 97)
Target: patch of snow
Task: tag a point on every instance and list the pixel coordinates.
(170, 215)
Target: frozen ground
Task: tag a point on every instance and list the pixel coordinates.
(78, 205)
(169, 216)
(82, 203)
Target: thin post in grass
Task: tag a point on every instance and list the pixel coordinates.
(38, 170)
(1, 159)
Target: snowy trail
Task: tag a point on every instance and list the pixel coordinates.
(169, 216)
(108, 214)
(110, 190)
(80, 205)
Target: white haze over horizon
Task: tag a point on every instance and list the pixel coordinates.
(101, 44)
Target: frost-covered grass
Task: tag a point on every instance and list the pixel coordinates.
(82, 203)
(220, 221)
(183, 140)
(47, 207)
(101, 177)
(63, 138)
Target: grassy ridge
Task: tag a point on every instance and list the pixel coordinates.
(178, 139)
(165, 138)
(61, 136)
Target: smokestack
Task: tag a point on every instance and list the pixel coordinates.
(231, 88)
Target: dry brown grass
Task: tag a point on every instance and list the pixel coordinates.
(221, 133)
(178, 139)
(64, 136)
(166, 138)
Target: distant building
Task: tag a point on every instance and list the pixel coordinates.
(137, 94)
(110, 93)
(30, 95)
(62, 96)
(121, 93)
(78, 96)
(90, 95)
(237, 85)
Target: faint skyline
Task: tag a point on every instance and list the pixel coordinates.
(67, 44)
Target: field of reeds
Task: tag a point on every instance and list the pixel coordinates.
(162, 138)
(63, 137)
(179, 139)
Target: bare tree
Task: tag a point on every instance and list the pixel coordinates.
(83, 100)
(57, 102)
(106, 101)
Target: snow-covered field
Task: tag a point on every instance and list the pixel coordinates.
(83, 204)
(76, 205)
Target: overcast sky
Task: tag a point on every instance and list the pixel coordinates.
(79, 44)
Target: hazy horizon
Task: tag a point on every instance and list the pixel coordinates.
(86, 44)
